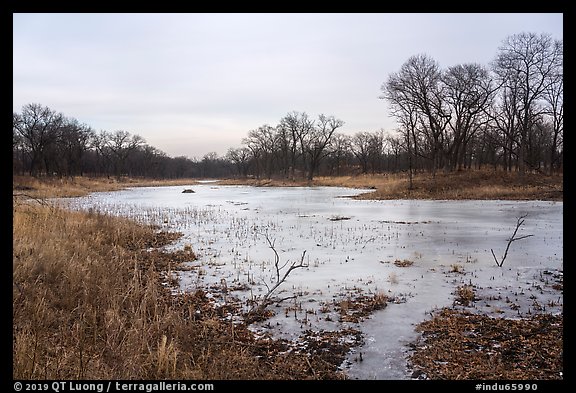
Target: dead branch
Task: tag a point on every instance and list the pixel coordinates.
(519, 223)
(281, 274)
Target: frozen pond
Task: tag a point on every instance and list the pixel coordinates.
(350, 247)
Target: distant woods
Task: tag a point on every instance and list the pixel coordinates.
(48, 143)
(467, 115)
(506, 115)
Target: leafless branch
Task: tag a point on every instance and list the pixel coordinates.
(281, 274)
(519, 223)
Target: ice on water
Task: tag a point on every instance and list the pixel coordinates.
(352, 245)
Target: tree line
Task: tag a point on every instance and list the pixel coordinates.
(506, 115)
(46, 142)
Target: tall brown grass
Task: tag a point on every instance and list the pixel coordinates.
(90, 303)
(83, 308)
(44, 187)
(470, 184)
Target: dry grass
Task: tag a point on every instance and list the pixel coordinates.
(471, 184)
(359, 307)
(53, 187)
(465, 295)
(90, 303)
(461, 345)
(87, 302)
(62, 187)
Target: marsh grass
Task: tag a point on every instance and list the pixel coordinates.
(465, 295)
(55, 187)
(355, 309)
(470, 184)
(89, 302)
(403, 262)
(468, 346)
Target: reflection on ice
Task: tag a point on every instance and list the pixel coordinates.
(352, 245)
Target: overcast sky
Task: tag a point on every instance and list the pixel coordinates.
(190, 84)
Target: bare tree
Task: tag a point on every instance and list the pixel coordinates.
(396, 147)
(100, 144)
(284, 150)
(417, 94)
(121, 144)
(73, 142)
(376, 147)
(296, 126)
(504, 121)
(525, 64)
(340, 153)
(406, 113)
(240, 157)
(361, 149)
(37, 130)
(469, 91)
(209, 164)
(261, 142)
(317, 139)
(554, 97)
(46, 142)
(147, 161)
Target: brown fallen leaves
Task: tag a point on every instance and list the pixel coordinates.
(462, 345)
